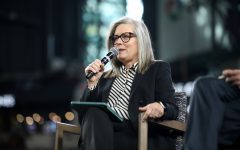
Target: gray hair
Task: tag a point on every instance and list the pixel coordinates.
(145, 51)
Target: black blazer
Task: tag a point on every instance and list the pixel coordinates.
(154, 85)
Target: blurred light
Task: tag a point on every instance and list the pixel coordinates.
(29, 120)
(20, 118)
(178, 87)
(51, 115)
(36, 117)
(218, 31)
(184, 87)
(56, 118)
(201, 16)
(186, 2)
(49, 127)
(69, 116)
(188, 88)
(135, 9)
(92, 30)
(92, 4)
(41, 122)
(7, 100)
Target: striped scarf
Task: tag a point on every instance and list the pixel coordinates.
(118, 98)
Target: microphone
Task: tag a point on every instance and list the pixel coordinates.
(113, 52)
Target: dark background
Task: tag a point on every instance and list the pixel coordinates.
(30, 68)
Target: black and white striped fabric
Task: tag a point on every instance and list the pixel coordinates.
(118, 98)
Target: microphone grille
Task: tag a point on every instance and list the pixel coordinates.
(114, 50)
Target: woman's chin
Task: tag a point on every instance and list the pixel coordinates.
(121, 57)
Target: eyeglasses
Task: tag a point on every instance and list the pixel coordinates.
(125, 37)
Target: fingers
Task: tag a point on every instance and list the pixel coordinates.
(95, 67)
(233, 76)
(147, 114)
(231, 72)
(142, 109)
(153, 110)
(227, 72)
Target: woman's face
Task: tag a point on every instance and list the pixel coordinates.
(127, 44)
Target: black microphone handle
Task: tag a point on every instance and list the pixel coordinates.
(90, 75)
(112, 53)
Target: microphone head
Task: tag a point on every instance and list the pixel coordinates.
(114, 51)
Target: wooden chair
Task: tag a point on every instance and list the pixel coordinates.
(177, 125)
(61, 128)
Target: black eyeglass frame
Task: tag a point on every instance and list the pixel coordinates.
(123, 37)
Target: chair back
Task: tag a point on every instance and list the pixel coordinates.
(181, 102)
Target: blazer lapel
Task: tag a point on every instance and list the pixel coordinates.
(135, 83)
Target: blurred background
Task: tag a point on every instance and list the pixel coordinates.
(45, 45)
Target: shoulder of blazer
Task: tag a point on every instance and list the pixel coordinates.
(157, 63)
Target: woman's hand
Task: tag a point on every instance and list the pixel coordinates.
(232, 75)
(96, 67)
(152, 110)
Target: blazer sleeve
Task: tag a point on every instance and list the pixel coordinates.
(90, 95)
(165, 91)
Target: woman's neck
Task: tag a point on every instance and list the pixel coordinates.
(129, 65)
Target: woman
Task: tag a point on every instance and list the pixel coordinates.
(135, 80)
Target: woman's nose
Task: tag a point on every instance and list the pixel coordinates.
(118, 41)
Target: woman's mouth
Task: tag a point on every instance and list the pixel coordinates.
(120, 50)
